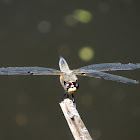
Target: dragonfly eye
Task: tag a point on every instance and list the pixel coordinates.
(74, 83)
(68, 85)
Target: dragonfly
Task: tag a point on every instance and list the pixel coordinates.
(68, 77)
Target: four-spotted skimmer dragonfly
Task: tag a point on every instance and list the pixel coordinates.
(68, 78)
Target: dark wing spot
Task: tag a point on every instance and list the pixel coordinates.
(30, 72)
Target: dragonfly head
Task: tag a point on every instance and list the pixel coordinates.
(71, 86)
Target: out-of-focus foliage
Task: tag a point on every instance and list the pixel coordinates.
(82, 16)
(70, 20)
(44, 26)
(21, 119)
(78, 16)
(86, 53)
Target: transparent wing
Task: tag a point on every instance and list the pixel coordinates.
(108, 67)
(106, 76)
(63, 65)
(28, 71)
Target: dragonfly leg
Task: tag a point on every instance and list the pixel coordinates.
(73, 99)
(65, 95)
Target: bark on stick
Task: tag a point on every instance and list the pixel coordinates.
(74, 120)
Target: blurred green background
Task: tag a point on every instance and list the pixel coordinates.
(36, 33)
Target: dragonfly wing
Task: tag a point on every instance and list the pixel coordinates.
(63, 65)
(28, 71)
(108, 67)
(107, 76)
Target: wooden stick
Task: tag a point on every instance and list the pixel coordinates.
(74, 120)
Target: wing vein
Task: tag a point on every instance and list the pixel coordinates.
(108, 76)
(108, 67)
(28, 71)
